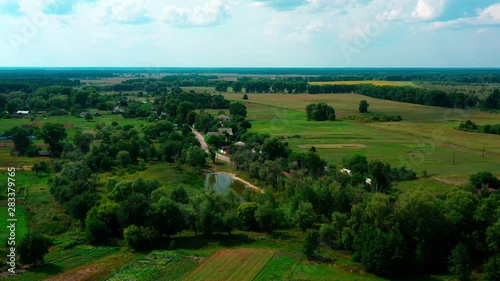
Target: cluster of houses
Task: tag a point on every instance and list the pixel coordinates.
(23, 113)
(223, 132)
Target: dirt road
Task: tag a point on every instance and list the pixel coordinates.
(204, 146)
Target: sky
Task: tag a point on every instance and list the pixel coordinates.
(250, 33)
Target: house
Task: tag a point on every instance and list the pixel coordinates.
(23, 112)
(176, 127)
(224, 118)
(346, 172)
(16, 116)
(240, 144)
(209, 134)
(41, 113)
(83, 114)
(97, 114)
(368, 181)
(45, 153)
(225, 149)
(286, 174)
(118, 110)
(229, 131)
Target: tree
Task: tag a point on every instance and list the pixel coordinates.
(273, 148)
(380, 175)
(237, 86)
(96, 231)
(357, 164)
(311, 243)
(53, 134)
(320, 112)
(245, 96)
(21, 140)
(238, 109)
(139, 238)
(32, 248)
(460, 262)
(41, 167)
(196, 156)
(83, 141)
(88, 117)
(363, 106)
(246, 212)
(221, 87)
(484, 179)
(305, 216)
(266, 216)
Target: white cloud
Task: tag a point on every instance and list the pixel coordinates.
(212, 13)
(123, 11)
(486, 17)
(428, 9)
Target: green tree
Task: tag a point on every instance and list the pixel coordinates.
(305, 217)
(245, 96)
(53, 134)
(167, 217)
(196, 156)
(96, 231)
(238, 109)
(363, 106)
(484, 179)
(83, 141)
(237, 86)
(273, 148)
(246, 212)
(460, 262)
(266, 216)
(32, 248)
(311, 243)
(380, 175)
(21, 140)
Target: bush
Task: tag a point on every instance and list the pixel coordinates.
(311, 243)
(403, 174)
(484, 179)
(328, 234)
(32, 249)
(140, 238)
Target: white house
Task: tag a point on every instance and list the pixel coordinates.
(346, 171)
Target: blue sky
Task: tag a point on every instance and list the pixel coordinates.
(250, 33)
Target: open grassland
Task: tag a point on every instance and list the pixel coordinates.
(371, 82)
(424, 140)
(231, 264)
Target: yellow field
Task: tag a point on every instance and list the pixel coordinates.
(372, 82)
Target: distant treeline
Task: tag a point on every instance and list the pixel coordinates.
(314, 74)
(402, 94)
(470, 126)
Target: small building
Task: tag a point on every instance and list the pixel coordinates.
(225, 149)
(240, 144)
(176, 127)
(209, 134)
(223, 131)
(45, 153)
(23, 112)
(41, 113)
(5, 136)
(83, 114)
(97, 114)
(16, 116)
(118, 110)
(224, 118)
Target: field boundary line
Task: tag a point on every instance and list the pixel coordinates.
(294, 267)
(269, 260)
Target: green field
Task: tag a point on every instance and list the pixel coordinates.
(157, 265)
(424, 140)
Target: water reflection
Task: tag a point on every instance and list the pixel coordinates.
(222, 183)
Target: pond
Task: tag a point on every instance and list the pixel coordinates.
(222, 183)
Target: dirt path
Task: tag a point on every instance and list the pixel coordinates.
(23, 168)
(204, 146)
(243, 181)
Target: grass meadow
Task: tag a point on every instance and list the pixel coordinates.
(424, 140)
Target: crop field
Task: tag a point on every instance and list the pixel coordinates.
(60, 261)
(157, 265)
(424, 140)
(279, 267)
(372, 82)
(229, 264)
